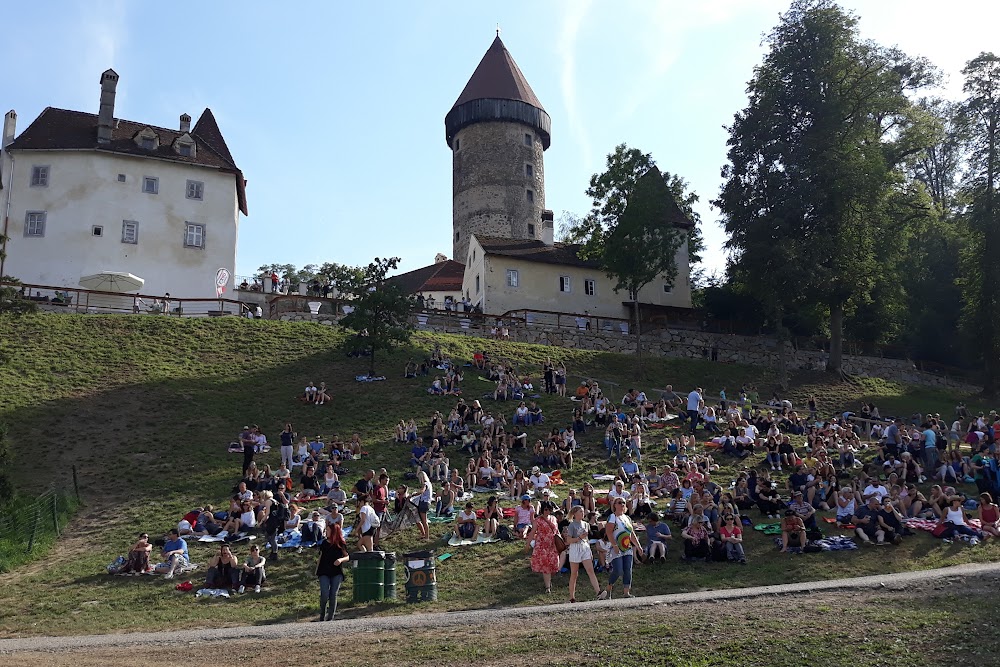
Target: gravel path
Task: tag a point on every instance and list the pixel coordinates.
(480, 616)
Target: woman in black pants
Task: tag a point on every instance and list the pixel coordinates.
(767, 497)
(332, 555)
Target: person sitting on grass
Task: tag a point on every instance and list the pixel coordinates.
(657, 534)
(535, 413)
(410, 370)
(175, 554)
(492, 517)
(446, 500)
(953, 519)
(697, 539)
(805, 510)
(731, 534)
(138, 556)
(223, 569)
(891, 521)
(866, 518)
(465, 523)
(524, 517)
(252, 572)
(310, 392)
(793, 531)
(989, 516)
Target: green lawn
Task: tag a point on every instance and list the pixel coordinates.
(144, 406)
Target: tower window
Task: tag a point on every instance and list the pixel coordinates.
(121, 178)
(458, 144)
(150, 185)
(477, 284)
(97, 230)
(531, 229)
(529, 171)
(528, 140)
(530, 195)
(456, 237)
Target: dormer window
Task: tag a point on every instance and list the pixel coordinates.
(185, 147)
(147, 139)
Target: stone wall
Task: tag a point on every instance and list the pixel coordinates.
(750, 350)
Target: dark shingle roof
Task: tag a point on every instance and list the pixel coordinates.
(63, 129)
(498, 77)
(443, 276)
(531, 250)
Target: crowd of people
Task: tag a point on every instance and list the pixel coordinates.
(659, 486)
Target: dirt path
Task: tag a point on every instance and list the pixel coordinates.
(417, 638)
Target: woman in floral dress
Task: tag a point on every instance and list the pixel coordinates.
(545, 558)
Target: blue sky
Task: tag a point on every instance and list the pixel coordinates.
(335, 111)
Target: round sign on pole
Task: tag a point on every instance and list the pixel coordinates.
(221, 281)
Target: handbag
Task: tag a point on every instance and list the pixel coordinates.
(559, 542)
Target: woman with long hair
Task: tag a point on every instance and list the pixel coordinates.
(544, 557)
(332, 556)
(424, 503)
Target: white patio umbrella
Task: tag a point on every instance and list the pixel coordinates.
(112, 281)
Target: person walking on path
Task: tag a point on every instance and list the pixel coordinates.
(545, 557)
(332, 556)
(621, 534)
(577, 540)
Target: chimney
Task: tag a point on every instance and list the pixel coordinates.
(185, 123)
(548, 227)
(9, 123)
(106, 116)
(440, 257)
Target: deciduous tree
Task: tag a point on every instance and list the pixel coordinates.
(380, 310)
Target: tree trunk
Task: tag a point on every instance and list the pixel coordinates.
(371, 366)
(781, 334)
(638, 343)
(834, 363)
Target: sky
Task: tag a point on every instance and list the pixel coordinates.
(335, 111)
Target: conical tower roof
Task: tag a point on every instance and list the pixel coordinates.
(498, 77)
(498, 92)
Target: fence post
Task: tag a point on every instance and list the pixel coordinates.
(76, 485)
(55, 512)
(34, 530)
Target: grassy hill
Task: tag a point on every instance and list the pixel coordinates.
(144, 407)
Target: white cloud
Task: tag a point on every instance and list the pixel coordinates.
(567, 45)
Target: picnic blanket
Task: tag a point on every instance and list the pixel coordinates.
(929, 525)
(484, 489)
(456, 541)
(604, 478)
(836, 543)
(440, 519)
(225, 537)
(369, 378)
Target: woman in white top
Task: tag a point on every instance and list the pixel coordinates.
(954, 518)
(577, 540)
(368, 523)
(328, 479)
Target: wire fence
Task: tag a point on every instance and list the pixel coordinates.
(29, 526)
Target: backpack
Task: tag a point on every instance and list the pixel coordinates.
(504, 534)
(277, 517)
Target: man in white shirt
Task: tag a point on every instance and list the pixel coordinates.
(539, 480)
(618, 492)
(693, 405)
(875, 488)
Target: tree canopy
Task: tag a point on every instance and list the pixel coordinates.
(380, 310)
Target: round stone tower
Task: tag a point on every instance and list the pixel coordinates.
(497, 131)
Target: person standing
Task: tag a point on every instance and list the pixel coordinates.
(332, 556)
(578, 542)
(545, 558)
(380, 503)
(287, 442)
(424, 503)
(693, 406)
(621, 534)
(368, 524)
(249, 445)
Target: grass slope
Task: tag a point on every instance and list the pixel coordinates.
(144, 407)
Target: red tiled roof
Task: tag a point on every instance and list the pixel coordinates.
(63, 129)
(498, 77)
(443, 276)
